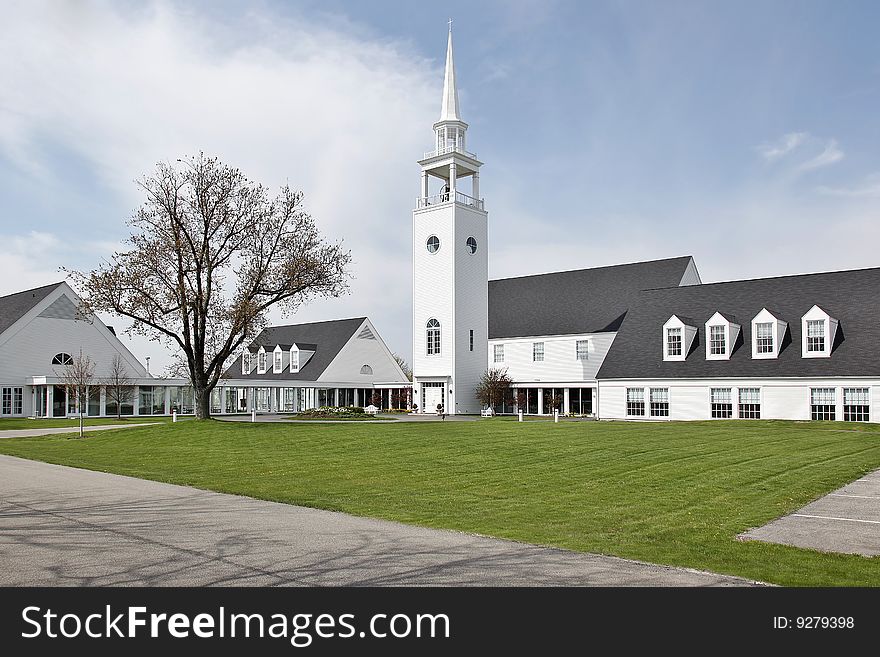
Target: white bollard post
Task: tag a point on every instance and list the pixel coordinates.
(174, 415)
(556, 415)
(520, 415)
(254, 415)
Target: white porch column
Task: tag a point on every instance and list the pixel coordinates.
(167, 400)
(50, 394)
(452, 175)
(425, 185)
(540, 401)
(103, 401)
(136, 410)
(566, 401)
(477, 185)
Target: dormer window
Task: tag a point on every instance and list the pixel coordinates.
(277, 360)
(261, 361)
(764, 338)
(767, 334)
(818, 329)
(673, 341)
(678, 336)
(246, 363)
(294, 359)
(722, 332)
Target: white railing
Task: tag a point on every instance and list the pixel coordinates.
(449, 149)
(446, 197)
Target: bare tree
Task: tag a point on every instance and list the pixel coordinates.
(117, 384)
(493, 387)
(210, 252)
(78, 374)
(407, 370)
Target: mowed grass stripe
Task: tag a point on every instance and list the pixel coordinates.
(674, 493)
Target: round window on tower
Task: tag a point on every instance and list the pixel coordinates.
(471, 245)
(433, 244)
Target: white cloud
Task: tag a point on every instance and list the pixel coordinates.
(829, 155)
(26, 261)
(870, 187)
(782, 146)
(803, 151)
(330, 111)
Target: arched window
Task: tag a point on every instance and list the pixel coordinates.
(366, 369)
(62, 359)
(432, 330)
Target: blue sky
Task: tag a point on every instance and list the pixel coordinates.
(745, 134)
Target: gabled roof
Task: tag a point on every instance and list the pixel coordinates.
(326, 339)
(15, 306)
(850, 296)
(582, 301)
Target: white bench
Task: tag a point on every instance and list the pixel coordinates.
(487, 412)
(371, 410)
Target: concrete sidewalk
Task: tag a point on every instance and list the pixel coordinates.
(847, 520)
(30, 433)
(65, 526)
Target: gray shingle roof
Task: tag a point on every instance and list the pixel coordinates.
(852, 297)
(14, 306)
(583, 301)
(327, 339)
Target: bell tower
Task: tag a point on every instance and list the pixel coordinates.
(450, 266)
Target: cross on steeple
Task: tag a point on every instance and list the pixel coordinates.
(450, 25)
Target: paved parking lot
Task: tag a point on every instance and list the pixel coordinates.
(847, 520)
(63, 526)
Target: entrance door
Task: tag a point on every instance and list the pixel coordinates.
(59, 401)
(433, 395)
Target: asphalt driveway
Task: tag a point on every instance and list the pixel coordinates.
(64, 526)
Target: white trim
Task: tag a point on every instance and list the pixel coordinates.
(830, 331)
(688, 333)
(731, 335)
(778, 329)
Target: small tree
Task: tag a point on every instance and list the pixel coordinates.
(210, 253)
(407, 370)
(522, 401)
(493, 386)
(376, 399)
(117, 384)
(78, 374)
(553, 402)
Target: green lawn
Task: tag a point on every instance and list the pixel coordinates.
(674, 493)
(52, 423)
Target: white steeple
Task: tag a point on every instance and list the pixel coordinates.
(449, 109)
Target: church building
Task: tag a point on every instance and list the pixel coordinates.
(640, 341)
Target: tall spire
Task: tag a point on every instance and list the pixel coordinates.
(449, 109)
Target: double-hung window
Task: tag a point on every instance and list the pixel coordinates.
(764, 337)
(815, 335)
(673, 341)
(750, 403)
(722, 403)
(537, 351)
(717, 340)
(856, 405)
(659, 402)
(635, 401)
(822, 404)
(498, 353)
(582, 349)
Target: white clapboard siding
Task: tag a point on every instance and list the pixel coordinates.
(360, 351)
(471, 309)
(560, 363)
(689, 399)
(27, 347)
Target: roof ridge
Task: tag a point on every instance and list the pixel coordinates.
(33, 289)
(765, 278)
(571, 271)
